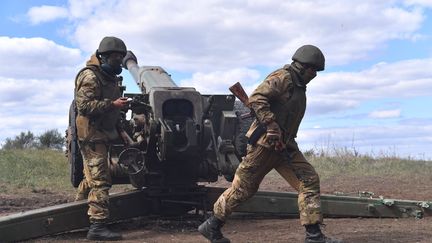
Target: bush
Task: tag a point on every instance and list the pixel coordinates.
(22, 141)
(51, 139)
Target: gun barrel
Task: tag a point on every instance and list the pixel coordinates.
(133, 68)
(149, 77)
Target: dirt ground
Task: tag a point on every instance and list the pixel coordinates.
(238, 229)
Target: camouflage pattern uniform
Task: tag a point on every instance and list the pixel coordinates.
(281, 98)
(96, 128)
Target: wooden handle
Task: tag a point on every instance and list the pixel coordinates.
(239, 92)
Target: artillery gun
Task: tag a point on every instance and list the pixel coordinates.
(173, 139)
(174, 136)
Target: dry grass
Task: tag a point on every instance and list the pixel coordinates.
(344, 161)
(32, 170)
(348, 163)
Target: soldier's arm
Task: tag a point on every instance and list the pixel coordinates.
(88, 95)
(270, 89)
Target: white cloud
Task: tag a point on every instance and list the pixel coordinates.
(423, 3)
(382, 114)
(36, 84)
(81, 9)
(213, 35)
(34, 105)
(412, 140)
(46, 13)
(37, 58)
(221, 42)
(335, 91)
(218, 82)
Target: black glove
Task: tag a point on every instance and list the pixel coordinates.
(274, 136)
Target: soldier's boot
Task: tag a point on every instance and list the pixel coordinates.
(314, 235)
(211, 229)
(99, 231)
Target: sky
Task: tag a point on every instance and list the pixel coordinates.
(374, 96)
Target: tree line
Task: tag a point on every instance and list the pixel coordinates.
(51, 139)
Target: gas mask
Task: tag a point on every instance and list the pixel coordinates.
(110, 65)
(306, 75)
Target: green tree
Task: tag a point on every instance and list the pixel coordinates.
(22, 141)
(51, 139)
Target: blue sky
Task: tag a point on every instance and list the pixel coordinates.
(374, 95)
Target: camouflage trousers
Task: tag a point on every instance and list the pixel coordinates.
(259, 161)
(97, 181)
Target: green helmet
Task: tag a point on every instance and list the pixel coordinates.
(311, 55)
(111, 44)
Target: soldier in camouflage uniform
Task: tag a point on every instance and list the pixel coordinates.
(98, 100)
(279, 103)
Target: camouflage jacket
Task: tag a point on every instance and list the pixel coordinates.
(281, 97)
(94, 93)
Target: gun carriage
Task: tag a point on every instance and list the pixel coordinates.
(171, 136)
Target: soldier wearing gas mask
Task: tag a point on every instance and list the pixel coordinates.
(98, 100)
(279, 103)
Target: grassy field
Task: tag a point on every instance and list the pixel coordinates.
(33, 170)
(348, 163)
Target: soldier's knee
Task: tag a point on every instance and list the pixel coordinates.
(316, 179)
(311, 182)
(100, 185)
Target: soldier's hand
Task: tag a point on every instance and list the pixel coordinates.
(120, 102)
(274, 136)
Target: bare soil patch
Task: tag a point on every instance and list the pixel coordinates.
(238, 229)
(23, 201)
